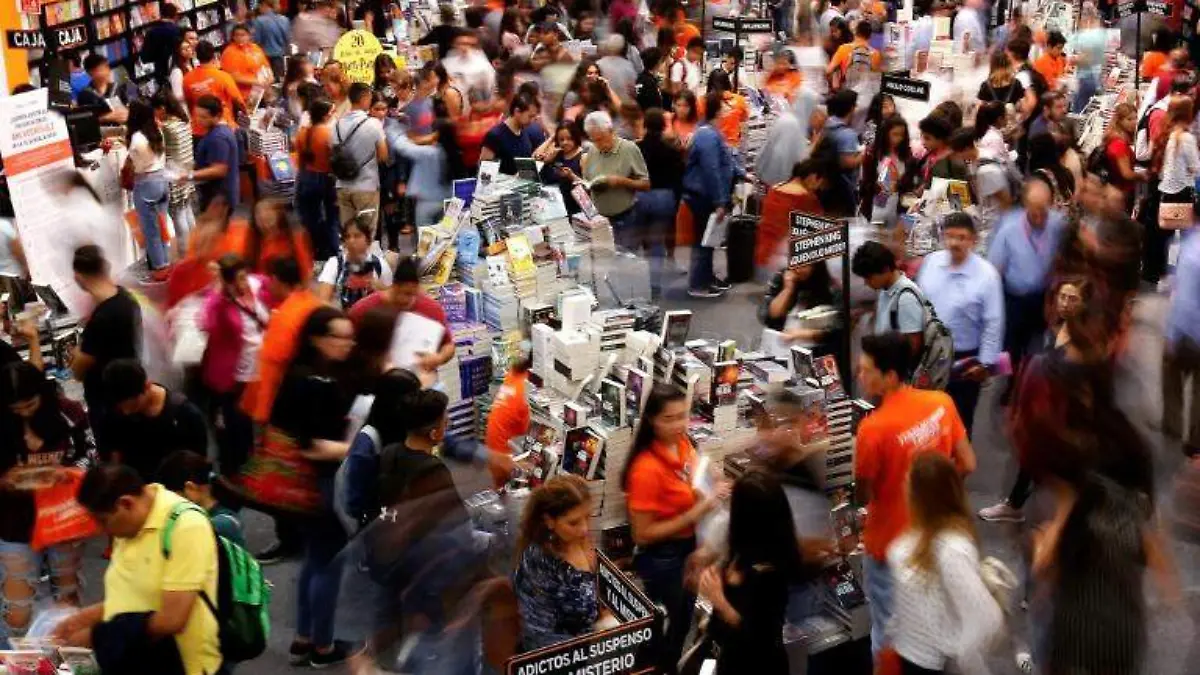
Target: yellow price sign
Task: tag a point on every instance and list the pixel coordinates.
(356, 51)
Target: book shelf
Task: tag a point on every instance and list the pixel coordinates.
(116, 29)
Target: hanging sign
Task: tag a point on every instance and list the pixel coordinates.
(737, 24)
(65, 37)
(818, 246)
(628, 649)
(356, 51)
(1126, 8)
(1159, 8)
(905, 87)
(25, 39)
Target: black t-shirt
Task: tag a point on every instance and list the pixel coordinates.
(648, 93)
(507, 146)
(145, 441)
(8, 354)
(310, 407)
(1013, 93)
(113, 332)
(665, 163)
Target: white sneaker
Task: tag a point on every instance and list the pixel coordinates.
(1025, 662)
(1002, 512)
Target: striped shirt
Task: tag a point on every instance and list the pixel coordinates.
(177, 136)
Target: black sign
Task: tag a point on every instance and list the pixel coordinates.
(623, 598)
(25, 39)
(805, 223)
(627, 649)
(725, 23)
(906, 88)
(1158, 7)
(818, 246)
(1126, 8)
(66, 37)
(756, 26)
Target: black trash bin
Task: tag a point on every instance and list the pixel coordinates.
(739, 248)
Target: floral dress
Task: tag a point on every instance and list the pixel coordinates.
(557, 601)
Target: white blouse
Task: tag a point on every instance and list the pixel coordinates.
(144, 159)
(946, 615)
(1181, 164)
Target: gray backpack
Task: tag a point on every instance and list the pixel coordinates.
(932, 370)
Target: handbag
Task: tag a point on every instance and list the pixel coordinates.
(1175, 216)
(126, 176)
(278, 478)
(60, 518)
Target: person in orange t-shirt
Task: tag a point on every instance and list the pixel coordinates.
(907, 422)
(1052, 63)
(208, 78)
(245, 61)
(509, 417)
(784, 79)
(684, 31)
(734, 110)
(281, 339)
(664, 510)
(844, 57)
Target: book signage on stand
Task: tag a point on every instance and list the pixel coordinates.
(627, 649)
(813, 239)
(905, 87)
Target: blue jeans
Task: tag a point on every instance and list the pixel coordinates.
(320, 574)
(700, 276)
(316, 204)
(661, 567)
(1087, 88)
(655, 213)
(427, 211)
(150, 195)
(20, 569)
(878, 588)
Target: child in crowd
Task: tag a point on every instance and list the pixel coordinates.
(188, 474)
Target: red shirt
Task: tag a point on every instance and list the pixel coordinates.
(423, 305)
(1116, 149)
(909, 421)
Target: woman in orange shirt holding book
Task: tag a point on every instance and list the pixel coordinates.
(245, 61)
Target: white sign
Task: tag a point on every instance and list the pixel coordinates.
(52, 220)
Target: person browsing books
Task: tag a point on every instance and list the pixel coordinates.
(664, 510)
(510, 415)
(616, 172)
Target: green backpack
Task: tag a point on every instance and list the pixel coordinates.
(243, 594)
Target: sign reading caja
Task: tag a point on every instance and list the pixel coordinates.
(356, 51)
(624, 650)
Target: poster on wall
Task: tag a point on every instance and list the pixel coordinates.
(52, 220)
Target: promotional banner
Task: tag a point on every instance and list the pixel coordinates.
(356, 50)
(53, 218)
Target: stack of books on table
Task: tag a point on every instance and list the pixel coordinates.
(450, 379)
(541, 335)
(576, 358)
(453, 299)
(615, 326)
(475, 374)
(463, 421)
(618, 441)
(596, 231)
(500, 308)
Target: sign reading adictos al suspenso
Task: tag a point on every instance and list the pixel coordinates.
(356, 51)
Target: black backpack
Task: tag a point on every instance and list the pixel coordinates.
(341, 162)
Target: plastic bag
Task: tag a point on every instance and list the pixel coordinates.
(46, 620)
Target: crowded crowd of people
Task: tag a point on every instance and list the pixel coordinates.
(297, 411)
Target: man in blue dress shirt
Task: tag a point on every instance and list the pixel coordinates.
(1181, 353)
(968, 297)
(1022, 251)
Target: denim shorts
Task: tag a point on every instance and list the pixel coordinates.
(29, 564)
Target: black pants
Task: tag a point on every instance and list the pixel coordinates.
(1024, 319)
(661, 568)
(1022, 489)
(907, 668)
(964, 393)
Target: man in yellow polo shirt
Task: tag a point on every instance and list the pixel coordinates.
(139, 579)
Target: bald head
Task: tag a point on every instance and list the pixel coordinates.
(1037, 199)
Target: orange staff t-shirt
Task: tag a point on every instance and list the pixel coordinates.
(509, 417)
(246, 60)
(660, 481)
(208, 79)
(908, 421)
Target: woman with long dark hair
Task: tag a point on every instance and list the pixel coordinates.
(798, 194)
(887, 174)
(944, 611)
(42, 434)
(182, 62)
(147, 160)
(664, 511)
(300, 72)
(749, 591)
(684, 119)
(310, 410)
(384, 425)
(556, 571)
(1045, 164)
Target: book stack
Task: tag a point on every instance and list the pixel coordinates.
(475, 374)
(473, 274)
(694, 377)
(576, 358)
(618, 443)
(612, 403)
(265, 141)
(839, 459)
(541, 336)
(500, 308)
(583, 453)
(615, 326)
(453, 298)
(471, 338)
(575, 308)
(724, 395)
(522, 271)
(449, 376)
(770, 374)
(546, 277)
(637, 390)
(596, 231)
(463, 422)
